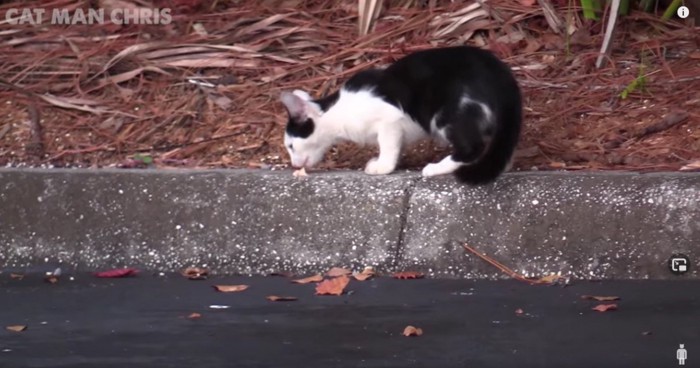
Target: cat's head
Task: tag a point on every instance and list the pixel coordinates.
(303, 139)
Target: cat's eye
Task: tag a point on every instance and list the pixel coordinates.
(290, 147)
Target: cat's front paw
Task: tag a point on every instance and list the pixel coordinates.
(432, 170)
(376, 167)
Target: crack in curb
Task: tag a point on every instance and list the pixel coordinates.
(403, 221)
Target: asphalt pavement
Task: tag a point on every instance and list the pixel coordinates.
(142, 322)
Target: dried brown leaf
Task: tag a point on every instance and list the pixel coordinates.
(600, 298)
(66, 104)
(194, 316)
(334, 286)
(551, 279)
(367, 273)
(196, 273)
(229, 288)
(412, 331)
(407, 275)
(308, 280)
(605, 307)
(275, 298)
(16, 276)
(16, 328)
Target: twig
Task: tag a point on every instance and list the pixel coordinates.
(503, 268)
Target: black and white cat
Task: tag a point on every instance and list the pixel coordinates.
(462, 96)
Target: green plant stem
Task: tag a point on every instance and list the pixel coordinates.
(672, 9)
(589, 9)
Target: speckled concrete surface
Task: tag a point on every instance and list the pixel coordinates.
(605, 225)
(246, 222)
(256, 222)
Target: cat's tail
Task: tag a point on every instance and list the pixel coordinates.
(499, 152)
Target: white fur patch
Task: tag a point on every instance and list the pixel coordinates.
(446, 166)
(466, 100)
(358, 117)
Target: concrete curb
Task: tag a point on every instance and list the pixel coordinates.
(589, 225)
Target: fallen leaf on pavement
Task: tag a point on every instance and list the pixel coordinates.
(275, 298)
(120, 272)
(196, 273)
(16, 276)
(407, 275)
(600, 298)
(230, 288)
(519, 312)
(308, 280)
(52, 277)
(333, 286)
(550, 279)
(337, 271)
(604, 307)
(412, 331)
(364, 275)
(194, 316)
(646, 333)
(16, 328)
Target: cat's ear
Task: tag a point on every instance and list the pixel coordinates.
(296, 106)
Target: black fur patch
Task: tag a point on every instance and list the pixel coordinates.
(300, 129)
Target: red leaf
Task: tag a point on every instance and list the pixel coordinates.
(120, 272)
(333, 286)
(605, 307)
(407, 275)
(194, 316)
(600, 298)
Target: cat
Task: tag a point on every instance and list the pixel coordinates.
(461, 96)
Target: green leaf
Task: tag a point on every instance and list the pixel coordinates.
(146, 159)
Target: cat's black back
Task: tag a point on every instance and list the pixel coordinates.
(436, 81)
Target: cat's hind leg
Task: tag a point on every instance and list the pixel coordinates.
(459, 125)
(446, 166)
